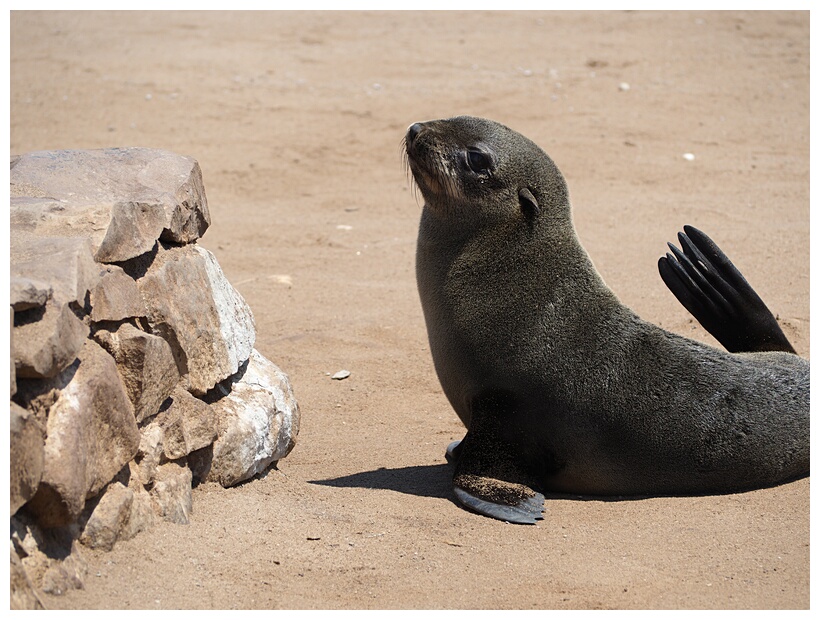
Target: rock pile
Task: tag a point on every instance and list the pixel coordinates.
(134, 373)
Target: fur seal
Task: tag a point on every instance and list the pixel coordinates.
(562, 388)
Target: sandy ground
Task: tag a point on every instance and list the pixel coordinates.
(296, 120)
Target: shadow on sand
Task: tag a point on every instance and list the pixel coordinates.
(421, 480)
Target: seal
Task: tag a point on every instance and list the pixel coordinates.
(561, 387)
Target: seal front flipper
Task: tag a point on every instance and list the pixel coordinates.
(525, 512)
(714, 291)
(490, 480)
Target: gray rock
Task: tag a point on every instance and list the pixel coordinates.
(199, 462)
(116, 296)
(189, 424)
(12, 371)
(123, 199)
(149, 453)
(172, 492)
(109, 518)
(46, 340)
(142, 517)
(91, 433)
(194, 308)
(63, 264)
(27, 440)
(27, 293)
(22, 594)
(61, 270)
(258, 423)
(65, 575)
(146, 365)
(134, 230)
(35, 549)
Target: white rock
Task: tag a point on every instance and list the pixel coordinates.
(258, 423)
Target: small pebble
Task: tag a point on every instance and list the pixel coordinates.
(688, 156)
(342, 374)
(624, 86)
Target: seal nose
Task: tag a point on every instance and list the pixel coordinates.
(413, 131)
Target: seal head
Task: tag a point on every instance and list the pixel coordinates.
(484, 168)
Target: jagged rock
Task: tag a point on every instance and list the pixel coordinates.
(149, 453)
(32, 546)
(68, 574)
(46, 340)
(26, 457)
(189, 424)
(258, 423)
(142, 517)
(62, 271)
(109, 519)
(123, 199)
(116, 296)
(91, 434)
(64, 264)
(146, 365)
(134, 229)
(172, 492)
(27, 293)
(50, 557)
(199, 461)
(22, 594)
(12, 371)
(192, 305)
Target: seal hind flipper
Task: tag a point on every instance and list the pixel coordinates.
(714, 291)
(526, 511)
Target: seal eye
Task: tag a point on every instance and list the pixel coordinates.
(479, 162)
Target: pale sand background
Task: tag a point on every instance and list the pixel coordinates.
(296, 120)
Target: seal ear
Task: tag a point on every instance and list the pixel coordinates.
(529, 205)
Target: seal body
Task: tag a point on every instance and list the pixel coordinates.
(562, 388)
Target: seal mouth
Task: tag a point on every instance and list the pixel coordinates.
(429, 164)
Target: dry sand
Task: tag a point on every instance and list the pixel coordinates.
(296, 120)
